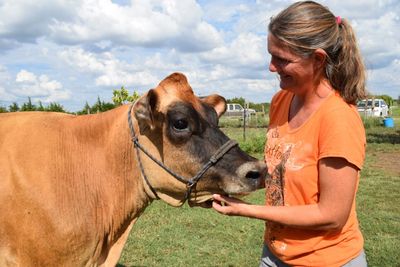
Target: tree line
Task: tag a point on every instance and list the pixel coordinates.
(122, 96)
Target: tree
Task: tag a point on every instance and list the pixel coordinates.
(85, 110)
(107, 106)
(55, 107)
(40, 107)
(28, 106)
(260, 106)
(238, 100)
(13, 107)
(97, 107)
(122, 96)
(101, 106)
(3, 109)
(388, 99)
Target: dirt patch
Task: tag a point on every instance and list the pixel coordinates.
(388, 162)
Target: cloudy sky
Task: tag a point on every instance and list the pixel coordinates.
(73, 51)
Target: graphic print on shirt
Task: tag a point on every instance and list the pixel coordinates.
(276, 183)
(281, 155)
(277, 157)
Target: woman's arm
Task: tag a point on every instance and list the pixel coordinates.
(337, 182)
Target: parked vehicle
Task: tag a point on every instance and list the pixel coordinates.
(235, 109)
(373, 107)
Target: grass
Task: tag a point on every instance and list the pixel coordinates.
(167, 236)
(377, 203)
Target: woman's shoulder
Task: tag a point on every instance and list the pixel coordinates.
(336, 111)
(281, 96)
(280, 102)
(337, 105)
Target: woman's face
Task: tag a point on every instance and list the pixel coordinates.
(296, 74)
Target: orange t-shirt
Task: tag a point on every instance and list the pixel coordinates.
(335, 129)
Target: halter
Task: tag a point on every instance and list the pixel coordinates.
(190, 183)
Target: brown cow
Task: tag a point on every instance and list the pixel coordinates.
(71, 187)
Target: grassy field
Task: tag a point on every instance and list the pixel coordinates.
(167, 236)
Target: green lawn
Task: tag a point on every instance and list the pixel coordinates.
(167, 236)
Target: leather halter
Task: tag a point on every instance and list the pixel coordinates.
(190, 183)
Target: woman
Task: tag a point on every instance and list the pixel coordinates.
(315, 143)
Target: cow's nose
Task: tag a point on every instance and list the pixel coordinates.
(254, 170)
(253, 174)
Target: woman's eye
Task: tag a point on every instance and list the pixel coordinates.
(180, 125)
(283, 61)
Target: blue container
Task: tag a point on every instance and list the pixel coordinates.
(388, 122)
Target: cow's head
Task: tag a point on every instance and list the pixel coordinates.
(181, 130)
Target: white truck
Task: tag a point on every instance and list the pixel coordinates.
(373, 107)
(235, 109)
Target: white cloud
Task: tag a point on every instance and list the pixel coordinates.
(366, 9)
(224, 11)
(172, 23)
(39, 88)
(386, 80)
(25, 21)
(127, 79)
(143, 23)
(26, 77)
(108, 70)
(247, 49)
(379, 39)
(86, 61)
(6, 96)
(255, 90)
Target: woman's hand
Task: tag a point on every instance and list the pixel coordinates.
(229, 205)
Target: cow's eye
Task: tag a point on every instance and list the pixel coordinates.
(181, 125)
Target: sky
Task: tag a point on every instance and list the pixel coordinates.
(74, 51)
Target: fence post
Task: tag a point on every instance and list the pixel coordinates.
(244, 124)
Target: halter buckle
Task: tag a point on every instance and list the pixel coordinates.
(190, 184)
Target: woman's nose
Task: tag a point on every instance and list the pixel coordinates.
(272, 67)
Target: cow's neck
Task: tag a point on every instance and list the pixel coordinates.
(121, 192)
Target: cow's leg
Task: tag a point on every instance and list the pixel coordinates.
(116, 249)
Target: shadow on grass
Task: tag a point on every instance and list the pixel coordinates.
(122, 265)
(381, 138)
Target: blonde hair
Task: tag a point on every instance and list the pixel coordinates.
(306, 26)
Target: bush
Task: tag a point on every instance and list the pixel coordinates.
(370, 122)
(254, 144)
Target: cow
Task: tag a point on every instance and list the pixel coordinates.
(71, 187)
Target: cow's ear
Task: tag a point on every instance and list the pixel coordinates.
(144, 110)
(217, 102)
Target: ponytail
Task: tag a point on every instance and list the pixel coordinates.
(346, 70)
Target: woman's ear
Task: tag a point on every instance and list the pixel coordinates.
(320, 58)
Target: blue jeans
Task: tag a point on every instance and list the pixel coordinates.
(270, 260)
